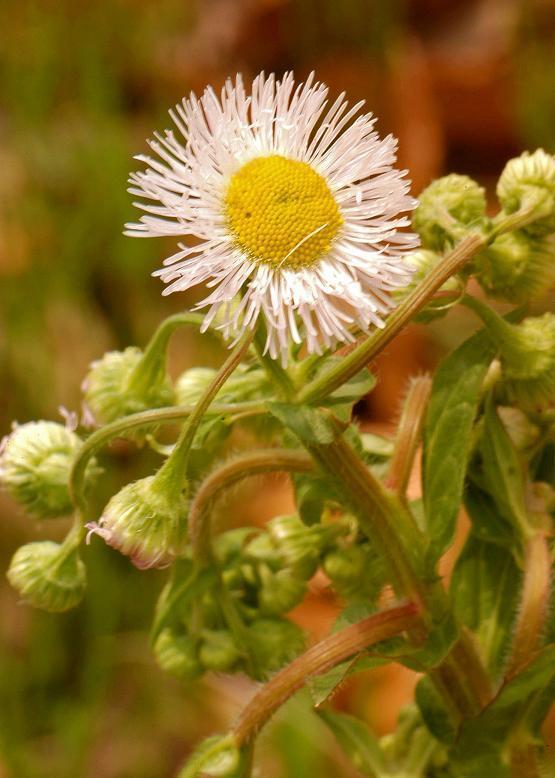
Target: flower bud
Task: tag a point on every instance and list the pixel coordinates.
(274, 642)
(529, 181)
(280, 591)
(446, 207)
(516, 267)
(528, 362)
(191, 385)
(218, 756)
(218, 651)
(35, 466)
(117, 386)
(298, 544)
(146, 521)
(177, 654)
(356, 572)
(48, 575)
(423, 262)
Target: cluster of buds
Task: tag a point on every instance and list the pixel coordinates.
(265, 577)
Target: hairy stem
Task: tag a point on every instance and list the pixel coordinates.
(318, 659)
(254, 463)
(172, 413)
(408, 434)
(173, 471)
(327, 382)
(154, 355)
(534, 603)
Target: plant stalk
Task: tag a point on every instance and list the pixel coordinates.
(318, 659)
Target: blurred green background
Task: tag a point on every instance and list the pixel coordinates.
(464, 85)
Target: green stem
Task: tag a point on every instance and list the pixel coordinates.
(153, 360)
(275, 372)
(104, 435)
(318, 659)
(173, 471)
(535, 207)
(260, 461)
(408, 435)
(351, 364)
(534, 603)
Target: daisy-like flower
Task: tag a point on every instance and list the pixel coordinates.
(293, 207)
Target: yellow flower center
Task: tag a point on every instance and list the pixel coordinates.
(282, 212)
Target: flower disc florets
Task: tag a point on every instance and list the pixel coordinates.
(295, 207)
(35, 466)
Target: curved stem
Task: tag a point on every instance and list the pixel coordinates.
(104, 435)
(327, 382)
(534, 603)
(173, 470)
(321, 657)
(408, 434)
(154, 356)
(261, 461)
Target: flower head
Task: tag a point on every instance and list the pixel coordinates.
(294, 205)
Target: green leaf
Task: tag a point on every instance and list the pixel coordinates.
(503, 476)
(487, 522)
(485, 591)
(434, 713)
(479, 748)
(376, 448)
(359, 744)
(451, 413)
(311, 425)
(357, 387)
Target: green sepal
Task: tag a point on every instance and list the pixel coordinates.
(485, 590)
(447, 434)
(358, 743)
(482, 739)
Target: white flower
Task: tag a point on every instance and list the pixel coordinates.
(293, 206)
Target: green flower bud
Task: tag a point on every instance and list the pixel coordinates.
(218, 651)
(191, 385)
(446, 207)
(516, 267)
(520, 429)
(529, 181)
(35, 465)
(262, 549)
(423, 262)
(177, 654)
(280, 591)
(145, 521)
(528, 362)
(48, 576)
(217, 756)
(298, 545)
(274, 643)
(356, 572)
(121, 383)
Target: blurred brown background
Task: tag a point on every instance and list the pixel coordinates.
(464, 85)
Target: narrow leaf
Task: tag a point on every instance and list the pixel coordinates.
(357, 741)
(451, 412)
(483, 738)
(485, 588)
